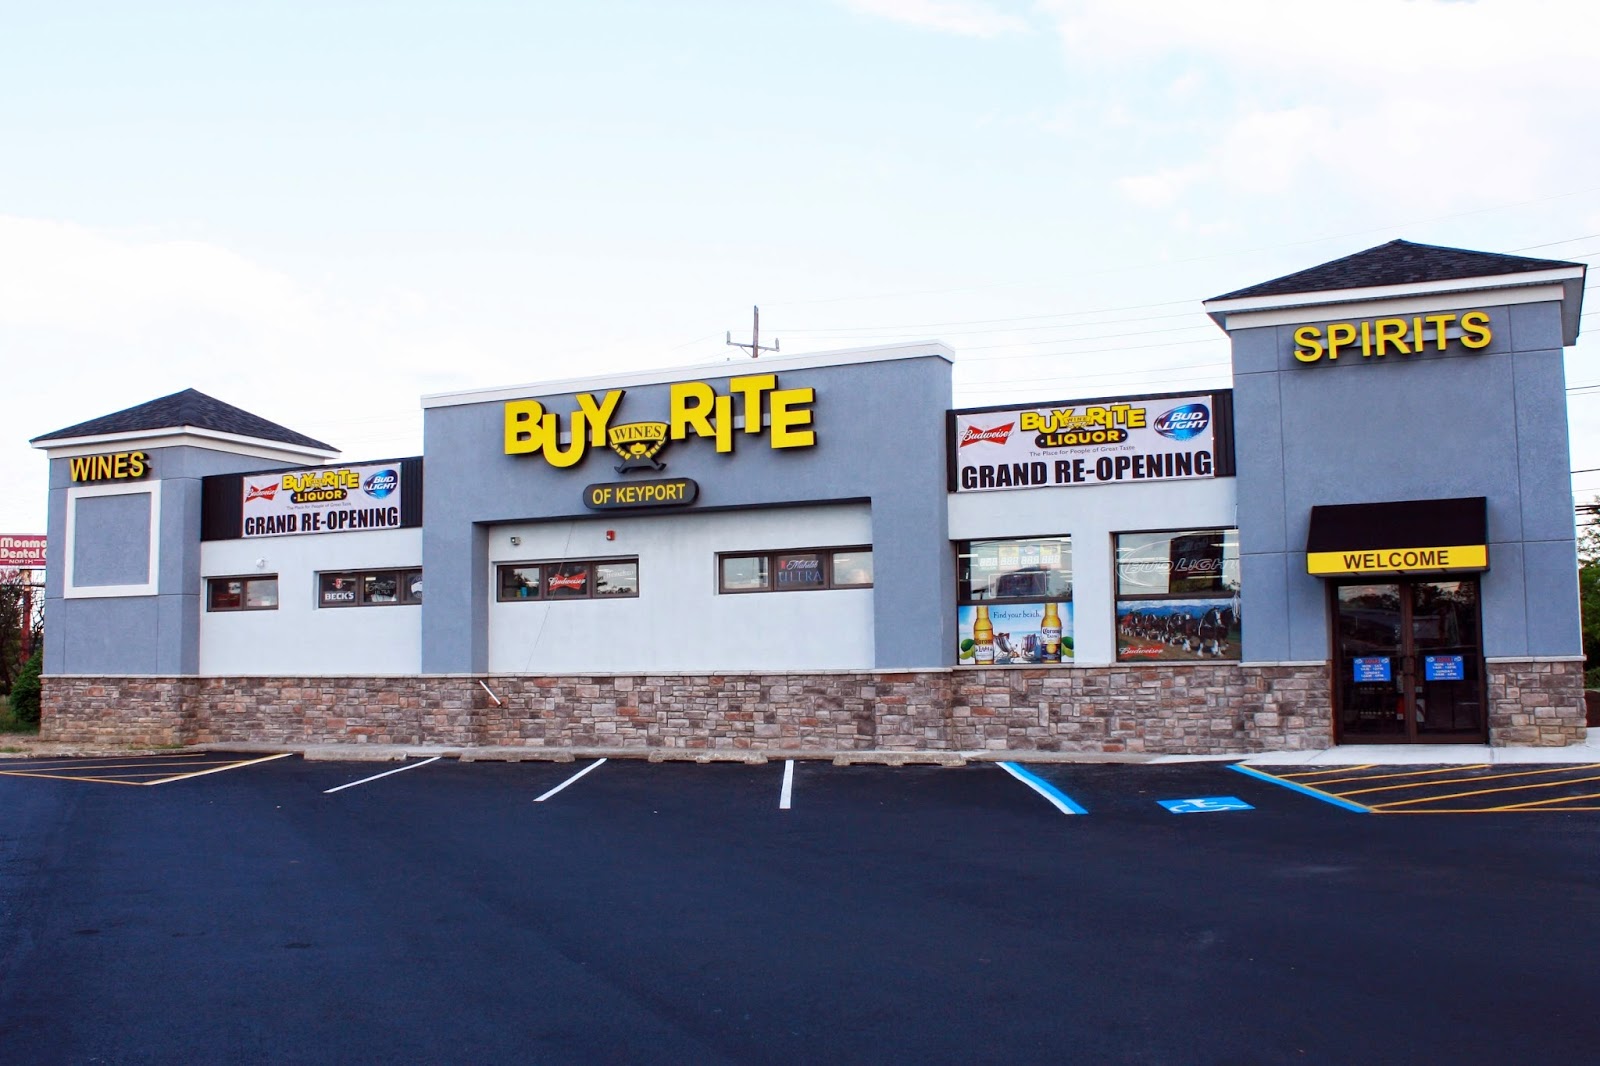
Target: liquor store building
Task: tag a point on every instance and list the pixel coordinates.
(821, 555)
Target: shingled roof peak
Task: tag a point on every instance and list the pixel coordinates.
(190, 409)
(1396, 262)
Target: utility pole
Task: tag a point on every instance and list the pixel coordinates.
(755, 338)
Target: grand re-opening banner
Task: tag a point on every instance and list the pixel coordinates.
(1111, 442)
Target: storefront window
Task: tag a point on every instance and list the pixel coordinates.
(796, 571)
(242, 594)
(1178, 595)
(568, 579)
(369, 588)
(519, 582)
(1015, 601)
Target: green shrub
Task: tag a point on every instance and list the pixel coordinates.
(25, 692)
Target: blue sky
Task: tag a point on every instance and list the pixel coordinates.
(319, 212)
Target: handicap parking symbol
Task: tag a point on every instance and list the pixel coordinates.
(1206, 805)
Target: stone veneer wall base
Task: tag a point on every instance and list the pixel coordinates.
(1535, 703)
(1199, 708)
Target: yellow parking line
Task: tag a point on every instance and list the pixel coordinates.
(1410, 773)
(1559, 799)
(1330, 770)
(68, 777)
(1485, 777)
(219, 769)
(160, 767)
(91, 762)
(1481, 792)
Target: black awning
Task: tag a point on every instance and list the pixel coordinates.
(1407, 536)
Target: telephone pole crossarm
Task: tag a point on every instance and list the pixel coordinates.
(755, 347)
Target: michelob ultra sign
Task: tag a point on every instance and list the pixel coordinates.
(323, 499)
(1100, 442)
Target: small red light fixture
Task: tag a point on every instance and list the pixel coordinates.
(611, 534)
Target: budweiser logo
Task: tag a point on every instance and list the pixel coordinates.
(261, 492)
(568, 581)
(997, 435)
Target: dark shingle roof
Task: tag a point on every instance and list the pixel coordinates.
(187, 408)
(1396, 263)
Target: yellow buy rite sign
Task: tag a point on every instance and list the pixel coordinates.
(694, 409)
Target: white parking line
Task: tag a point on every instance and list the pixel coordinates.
(788, 785)
(386, 773)
(569, 781)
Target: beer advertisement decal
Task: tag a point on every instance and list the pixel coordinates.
(324, 499)
(1014, 634)
(1108, 442)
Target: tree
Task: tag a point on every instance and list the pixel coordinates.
(25, 692)
(21, 611)
(1589, 591)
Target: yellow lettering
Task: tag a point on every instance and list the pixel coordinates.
(724, 423)
(788, 416)
(1308, 344)
(550, 427)
(1391, 329)
(1439, 322)
(523, 432)
(598, 416)
(1340, 334)
(1031, 421)
(690, 409)
(1475, 330)
(750, 389)
(1366, 340)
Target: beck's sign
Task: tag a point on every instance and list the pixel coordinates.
(1108, 442)
(324, 499)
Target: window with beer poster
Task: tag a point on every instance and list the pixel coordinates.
(795, 570)
(369, 588)
(1014, 601)
(1178, 595)
(567, 579)
(254, 593)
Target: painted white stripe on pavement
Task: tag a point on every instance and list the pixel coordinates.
(386, 773)
(788, 785)
(569, 781)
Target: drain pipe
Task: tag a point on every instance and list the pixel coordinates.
(498, 702)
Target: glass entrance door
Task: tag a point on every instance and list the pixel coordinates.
(1408, 661)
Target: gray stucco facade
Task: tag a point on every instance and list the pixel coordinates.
(1456, 423)
(156, 633)
(880, 438)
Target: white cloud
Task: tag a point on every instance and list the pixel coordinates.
(968, 18)
(1416, 105)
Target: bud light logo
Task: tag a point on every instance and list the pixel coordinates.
(380, 484)
(1184, 422)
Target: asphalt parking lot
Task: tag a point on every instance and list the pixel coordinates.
(252, 909)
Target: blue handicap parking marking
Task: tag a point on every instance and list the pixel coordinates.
(1206, 804)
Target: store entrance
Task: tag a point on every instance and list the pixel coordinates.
(1408, 662)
